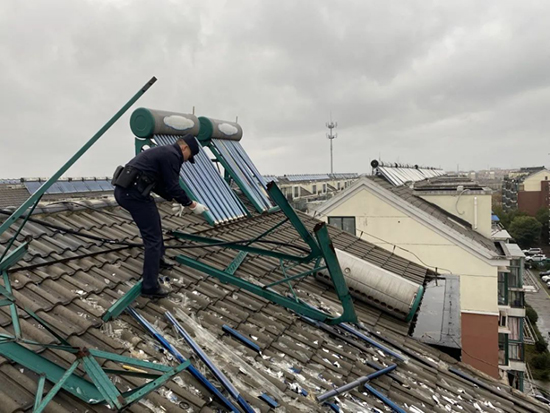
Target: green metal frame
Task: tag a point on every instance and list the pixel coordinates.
(98, 388)
(321, 249)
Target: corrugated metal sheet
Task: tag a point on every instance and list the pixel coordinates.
(310, 177)
(207, 186)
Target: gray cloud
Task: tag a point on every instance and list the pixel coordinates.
(421, 82)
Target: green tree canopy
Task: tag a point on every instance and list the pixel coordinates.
(525, 230)
(543, 216)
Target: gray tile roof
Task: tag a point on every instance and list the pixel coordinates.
(450, 220)
(12, 195)
(70, 281)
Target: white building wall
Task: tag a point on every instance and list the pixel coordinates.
(382, 224)
(532, 183)
(473, 208)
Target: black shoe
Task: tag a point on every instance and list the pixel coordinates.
(161, 292)
(165, 265)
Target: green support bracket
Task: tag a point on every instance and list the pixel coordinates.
(14, 256)
(39, 392)
(120, 305)
(56, 388)
(236, 263)
(103, 383)
(42, 190)
(321, 249)
(8, 294)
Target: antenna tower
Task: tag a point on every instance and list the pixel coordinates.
(331, 136)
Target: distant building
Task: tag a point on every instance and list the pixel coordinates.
(533, 192)
(511, 185)
(306, 189)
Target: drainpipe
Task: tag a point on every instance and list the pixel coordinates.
(475, 212)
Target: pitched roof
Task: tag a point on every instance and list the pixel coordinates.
(70, 281)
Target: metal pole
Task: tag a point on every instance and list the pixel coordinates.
(21, 210)
(355, 383)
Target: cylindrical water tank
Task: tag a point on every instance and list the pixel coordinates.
(148, 122)
(219, 129)
(378, 287)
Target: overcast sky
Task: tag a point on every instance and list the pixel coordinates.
(436, 83)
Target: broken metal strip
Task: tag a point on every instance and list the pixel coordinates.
(267, 232)
(3, 264)
(374, 343)
(107, 389)
(197, 374)
(384, 399)
(42, 190)
(58, 385)
(269, 400)
(123, 302)
(130, 361)
(11, 258)
(39, 392)
(217, 372)
(40, 365)
(143, 391)
(242, 338)
(13, 308)
(335, 271)
(236, 263)
(294, 219)
(48, 327)
(355, 383)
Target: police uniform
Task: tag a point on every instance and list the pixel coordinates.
(157, 170)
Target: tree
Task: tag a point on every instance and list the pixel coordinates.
(506, 218)
(543, 216)
(525, 230)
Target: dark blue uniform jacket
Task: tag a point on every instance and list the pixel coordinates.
(162, 164)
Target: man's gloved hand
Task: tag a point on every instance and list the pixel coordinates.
(177, 209)
(198, 208)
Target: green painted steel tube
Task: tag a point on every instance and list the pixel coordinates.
(77, 386)
(58, 385)
(416, 304)
(32, 199)
(335, 271)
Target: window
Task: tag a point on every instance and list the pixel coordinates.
(345, 223)
(515, 278)
(324, 188)
(516, 299)
(502, 320)
(515, 351)
(502, 349)
(296, 191)
(338, 185)
(503, 288)
(314, 189)
(515, 324)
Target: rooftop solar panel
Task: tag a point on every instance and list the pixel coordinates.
(205, 184)
(244, 173)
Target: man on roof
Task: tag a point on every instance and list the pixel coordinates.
(155, 170)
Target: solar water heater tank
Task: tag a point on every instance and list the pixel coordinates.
(380, 288)
(148, 122)
(219, 129)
